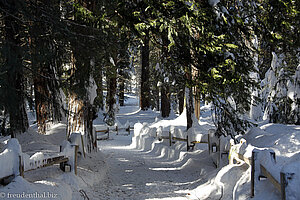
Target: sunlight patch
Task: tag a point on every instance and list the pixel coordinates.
(47, 183)
(123, 160)
(164, 169)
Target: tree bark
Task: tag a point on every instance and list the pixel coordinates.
(111, 74)
(180, 97)
(98, 79)
(189, 107)
(145, 85)
(165, 101)
(189, 93)
(121, 87)
(42, 100)
(165, 88)
(15, 76)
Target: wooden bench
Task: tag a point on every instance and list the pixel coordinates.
(102, 132)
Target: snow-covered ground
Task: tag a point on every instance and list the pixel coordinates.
(138, 166)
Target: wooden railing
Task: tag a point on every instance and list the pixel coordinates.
(103, 131)
(214, 143)
(259, 171)
(127, 129)
(25, 164)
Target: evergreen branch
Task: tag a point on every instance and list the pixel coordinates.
(9, 14)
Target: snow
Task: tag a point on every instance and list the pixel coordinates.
(10, 156)
(92, 90)
(75, 139)
(139, 166)
(213, 2)
(292, 190)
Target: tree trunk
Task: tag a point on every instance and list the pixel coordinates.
(197, 103)
(165, 101)
(15, 76)
(145, 85)
(42, 100)
(165, 89)
(46, 87)
(156, 94)
(121, 87)
(111, 93)
(189, 94)
(180, 97)
(189, 107)
(81, 113)
(98, 76)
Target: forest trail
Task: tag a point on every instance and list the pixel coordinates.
(132, 174)
(141, 174)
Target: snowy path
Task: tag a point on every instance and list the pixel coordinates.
(137, 174)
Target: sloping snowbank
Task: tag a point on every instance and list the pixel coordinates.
(284, 140)
(50, 182)
(232, 181)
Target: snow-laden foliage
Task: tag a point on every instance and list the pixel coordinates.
(281, 91)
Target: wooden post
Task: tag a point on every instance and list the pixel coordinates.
(230, 158)
(187, 143)
(61, 165)
(129, 130)
(21, 166)
(96, 141)
(82, 143)
(107, 132)
(219, 158)
(170, 137)
(208, 141)
(75, 159)
(283, 184)
(254, 156)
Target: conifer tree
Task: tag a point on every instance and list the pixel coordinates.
(279, 42)
(12, 67)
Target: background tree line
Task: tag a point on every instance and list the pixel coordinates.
(243, 57)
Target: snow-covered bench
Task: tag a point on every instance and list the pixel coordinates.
(127, 127)
(102, 132)
(196, 135)
(14, 163)
(10, 161)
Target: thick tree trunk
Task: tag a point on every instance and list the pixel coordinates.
(180, 97)
(98, 102)
(121, 87)
(81, 113)
(42, 100)
(189, 95)
(165, 101)
(46, 87)
(111, 94)
(145, 85)
(189, 107)
(47, 98)
(165, 88)
(197, 103)
(15, 79)
(88, 116)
